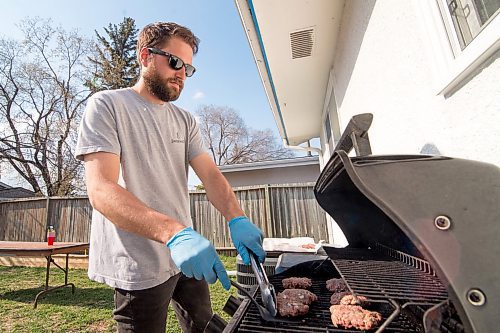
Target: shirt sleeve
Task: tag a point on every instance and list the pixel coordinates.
(97, 131)
(196, 145)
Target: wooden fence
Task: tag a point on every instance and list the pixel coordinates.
(279, 210)
(28, 219)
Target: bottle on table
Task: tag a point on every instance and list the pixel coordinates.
(51, 235)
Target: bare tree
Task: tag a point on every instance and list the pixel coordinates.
(42, 95)
(231, 141)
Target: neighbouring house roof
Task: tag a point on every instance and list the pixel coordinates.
(285, 171)
(4, 186)
(10, 192)
(273, 164)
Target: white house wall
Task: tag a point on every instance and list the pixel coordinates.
(384, 65)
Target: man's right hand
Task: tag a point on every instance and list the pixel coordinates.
(196, 257)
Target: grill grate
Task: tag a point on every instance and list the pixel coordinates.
(379, 279)
(398, 284)
(318, 319)
(379, 276)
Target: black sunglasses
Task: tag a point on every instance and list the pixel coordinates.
(174, 62)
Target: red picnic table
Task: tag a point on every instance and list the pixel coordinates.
(30, 249)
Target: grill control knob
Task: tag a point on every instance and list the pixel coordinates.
(442, 222)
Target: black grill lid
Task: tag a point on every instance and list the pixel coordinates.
(443, 209)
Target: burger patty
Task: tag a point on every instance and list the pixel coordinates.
(298, 295)
(296, 283)
(294, 302)
(292, 309)
(336, 285)
(354, 316)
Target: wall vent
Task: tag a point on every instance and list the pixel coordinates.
(302, 42)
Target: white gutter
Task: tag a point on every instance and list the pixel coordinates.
(249, 21)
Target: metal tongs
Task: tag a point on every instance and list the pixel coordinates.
(267, 312)
(267, 292)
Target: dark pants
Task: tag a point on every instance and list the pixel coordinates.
(146, 310)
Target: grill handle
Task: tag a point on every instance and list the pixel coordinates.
(356, 135)
(215, 325)
(231, 305)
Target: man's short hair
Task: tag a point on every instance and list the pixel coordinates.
(159, 33)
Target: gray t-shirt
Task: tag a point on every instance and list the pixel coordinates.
(155, 144)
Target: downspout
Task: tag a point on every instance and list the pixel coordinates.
(331, 226)
(307, 149)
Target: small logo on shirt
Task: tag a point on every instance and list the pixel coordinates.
(178, 139)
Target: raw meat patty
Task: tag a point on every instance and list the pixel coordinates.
(354, 316)
(350, 299)
(336, 297)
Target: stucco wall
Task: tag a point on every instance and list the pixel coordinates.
(287, 175)
(384, 65)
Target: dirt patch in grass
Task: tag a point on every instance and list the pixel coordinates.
(101, 326)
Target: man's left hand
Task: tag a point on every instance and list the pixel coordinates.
(246, 236)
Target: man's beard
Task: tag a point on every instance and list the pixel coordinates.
(158, 86)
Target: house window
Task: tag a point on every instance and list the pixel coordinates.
(470, 16)
(329, 135)
(462, 35)
(328, 129)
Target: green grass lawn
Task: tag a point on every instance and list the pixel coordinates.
(88, 310)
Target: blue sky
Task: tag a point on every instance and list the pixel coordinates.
(226, 73)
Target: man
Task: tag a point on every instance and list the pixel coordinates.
(137, 146)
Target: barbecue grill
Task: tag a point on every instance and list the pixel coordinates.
(423, 237)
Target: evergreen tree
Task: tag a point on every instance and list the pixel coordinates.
(115, 57)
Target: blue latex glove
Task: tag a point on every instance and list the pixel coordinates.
(246, 236)
(195, 256)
